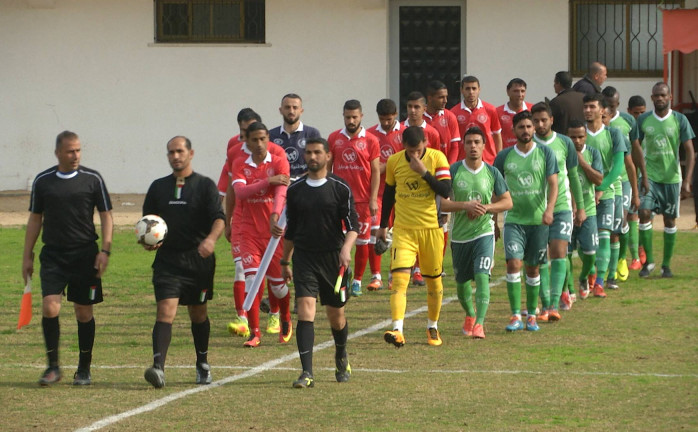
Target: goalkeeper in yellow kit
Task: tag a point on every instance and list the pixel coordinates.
(416, 179)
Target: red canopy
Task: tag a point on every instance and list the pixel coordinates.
(680, 30)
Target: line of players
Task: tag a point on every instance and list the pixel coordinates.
(548, 176)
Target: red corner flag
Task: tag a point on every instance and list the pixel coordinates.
(25, 310)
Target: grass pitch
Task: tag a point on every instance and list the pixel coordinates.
(628, 362)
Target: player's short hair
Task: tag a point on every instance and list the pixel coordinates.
(247, 114)
(187, 141)
(517, 81)
(412, 136)
(66, 135)
(469, 79)
(351, 105)
(610, 91)
(291, 96)
(256, 126)
(475, 130)
(564, 78)
(386, 107)
(598, 97)
(416, 96)
(661, 84)
(541, 107)
(523, 115)
(434, 86)
(319, 140)
(575, 124)
(636, 101)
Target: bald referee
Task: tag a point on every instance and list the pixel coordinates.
(317, 205)
(63, 200)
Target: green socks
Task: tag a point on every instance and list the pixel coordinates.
(465, 297)
(603, 254)
(633, 237)
(613, 261)
(482, 296)
(532, 291)
(646, 240)
(545, 285)
(514, 292)
(558, 272)
(669, 242)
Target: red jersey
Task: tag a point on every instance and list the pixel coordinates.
(483, 116)
(446, 125)
(389, 143)
(224, 178)
(431, 134)
(351, 160)
(506, 120)
(257, 208)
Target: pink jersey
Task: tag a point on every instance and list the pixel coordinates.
(506, 120)
(446, 125)
(390, 143)
(351, 160)
(257, 208)
(485, 117)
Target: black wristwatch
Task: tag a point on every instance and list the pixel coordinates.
(106, 252)
(285, 263)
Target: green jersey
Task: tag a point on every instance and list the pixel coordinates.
(566, 156)
(593, 158)
(471, 185)
(661, 138)
(526, 177)
(608, 141)
(628, 127)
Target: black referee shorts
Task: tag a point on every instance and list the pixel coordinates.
(184, 275)
(315, 274)
(74, 268)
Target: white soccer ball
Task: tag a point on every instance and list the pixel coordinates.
(151, 230)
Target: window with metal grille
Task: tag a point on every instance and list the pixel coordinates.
(209, 21)
(626, 36)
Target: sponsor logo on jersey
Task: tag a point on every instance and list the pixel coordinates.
(386, 152)
(412, 185)
(349, 156)
(525, 179)
(247, 260)
(475, 196)
(292, 154)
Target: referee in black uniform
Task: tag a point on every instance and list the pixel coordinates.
(184, 266)
(63, 198)
(318, 206)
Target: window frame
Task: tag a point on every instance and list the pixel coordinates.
(189, 39)
(579, 70)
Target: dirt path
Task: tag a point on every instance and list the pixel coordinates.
(127, 210)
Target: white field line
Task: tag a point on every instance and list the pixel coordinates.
(248, 373)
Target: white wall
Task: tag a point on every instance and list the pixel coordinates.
(90, 66)
(530, 40)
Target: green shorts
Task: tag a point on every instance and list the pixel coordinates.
(472, 257)
(605, 214)
(561, 229)
(617, 214)
(526, 242)
(662, 198)
(586, 237)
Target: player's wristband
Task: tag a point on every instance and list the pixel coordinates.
(106, 252)
(284, 263)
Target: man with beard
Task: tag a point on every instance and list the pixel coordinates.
(293, 134)
(319, 206)
(530, 171)
(661, 131)
(355, 158)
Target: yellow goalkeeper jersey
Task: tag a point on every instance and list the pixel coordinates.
(416, 205)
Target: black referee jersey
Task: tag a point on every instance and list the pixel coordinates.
(317, 211)
(67, 202)
(189, 211)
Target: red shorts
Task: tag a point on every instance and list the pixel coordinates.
(251, 251)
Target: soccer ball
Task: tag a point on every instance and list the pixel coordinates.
(151, 230)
